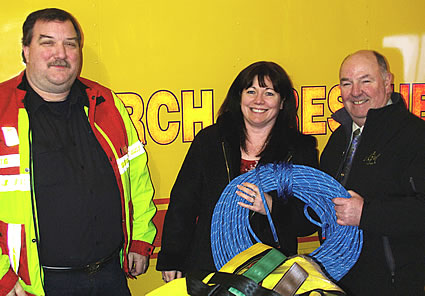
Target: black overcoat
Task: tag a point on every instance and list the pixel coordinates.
(212, 161)
(389, 173)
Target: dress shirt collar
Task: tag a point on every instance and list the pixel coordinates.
(355, 126)
(33, 101)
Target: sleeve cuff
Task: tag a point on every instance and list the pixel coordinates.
(7, 282)
(142, 248)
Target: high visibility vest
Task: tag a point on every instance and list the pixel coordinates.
(116, 134)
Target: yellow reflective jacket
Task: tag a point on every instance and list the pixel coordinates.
(116, 134)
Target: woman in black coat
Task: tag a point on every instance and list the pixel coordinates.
(256, 124)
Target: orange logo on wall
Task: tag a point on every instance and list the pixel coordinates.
(167, 118)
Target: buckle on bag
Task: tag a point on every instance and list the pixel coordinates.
(93, 267)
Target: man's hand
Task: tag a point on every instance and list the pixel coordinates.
(137, 264)
(17, 290)
(170, 275)
(348, 210)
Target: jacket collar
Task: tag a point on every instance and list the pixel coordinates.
(228, 128)
(33, 101)
(343, 117)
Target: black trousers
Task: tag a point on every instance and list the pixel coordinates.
(110, 280)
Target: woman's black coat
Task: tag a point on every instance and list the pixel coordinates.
(211, 162)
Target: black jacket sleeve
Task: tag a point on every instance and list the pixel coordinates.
(183, 210)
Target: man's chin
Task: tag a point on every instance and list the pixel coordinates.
(358, 119)
(59, 86)
(59, 80)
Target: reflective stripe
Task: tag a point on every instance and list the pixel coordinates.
(135, 150)
(8, 161)
(14, 244)
(10, 136)
(14, 182)
(123, 164)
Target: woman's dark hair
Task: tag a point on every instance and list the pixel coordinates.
(281, 84)
(48, 15)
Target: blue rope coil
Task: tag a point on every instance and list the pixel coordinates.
(230, 227)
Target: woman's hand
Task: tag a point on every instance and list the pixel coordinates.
(169, 275)
(251, 193)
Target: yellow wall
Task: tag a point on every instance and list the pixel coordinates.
(168, 52)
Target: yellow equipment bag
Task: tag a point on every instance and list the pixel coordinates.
(261, 271)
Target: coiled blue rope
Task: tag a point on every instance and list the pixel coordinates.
(230, 227)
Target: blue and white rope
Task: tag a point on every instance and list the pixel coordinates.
(230, 227)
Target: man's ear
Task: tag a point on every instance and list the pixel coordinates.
(388, 80)
(25, 53)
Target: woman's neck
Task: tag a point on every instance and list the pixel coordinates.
(255, 143)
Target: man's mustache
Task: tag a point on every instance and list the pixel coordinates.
(61, 63)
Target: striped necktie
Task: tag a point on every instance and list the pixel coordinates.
(350, 155)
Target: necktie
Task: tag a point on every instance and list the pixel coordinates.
(350, 155)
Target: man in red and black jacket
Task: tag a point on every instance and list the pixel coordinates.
(75, 194)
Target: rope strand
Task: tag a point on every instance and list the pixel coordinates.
(230, 227)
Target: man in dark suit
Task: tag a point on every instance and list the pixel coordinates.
(378, 154)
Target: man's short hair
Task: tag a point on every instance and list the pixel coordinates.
(382, 63)
(48, 15)
(380, 59)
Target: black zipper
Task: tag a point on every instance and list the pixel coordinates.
(33, 206)
(226, 161)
